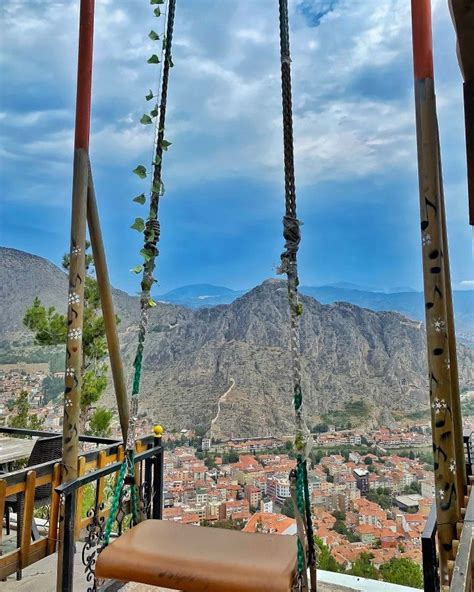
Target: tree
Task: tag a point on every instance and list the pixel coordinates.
(230, 457)
(339, 515)
(99, 425)
(414, 487)
(50, 328)
(22, 419)
(325, 560)
(320, 428)
(52, 387)
(288, 509)
(402, 571)
(363, 568)
(368, 460)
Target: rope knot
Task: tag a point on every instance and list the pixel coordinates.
(152, 233)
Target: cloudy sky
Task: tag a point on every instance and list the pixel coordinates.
(221, 214)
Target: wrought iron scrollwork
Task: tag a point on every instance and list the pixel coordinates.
(92, 544)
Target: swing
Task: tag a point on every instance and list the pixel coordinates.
(189, 558)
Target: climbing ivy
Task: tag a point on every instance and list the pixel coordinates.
(157, 188)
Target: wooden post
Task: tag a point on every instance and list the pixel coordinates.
(462, 12)
(107, 307)
(461, 477)
(53, 518)
(77, 271)
(436, 290)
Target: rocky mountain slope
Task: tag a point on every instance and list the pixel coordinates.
(404, 300)
(195, 357)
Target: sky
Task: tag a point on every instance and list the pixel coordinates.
(354, 127)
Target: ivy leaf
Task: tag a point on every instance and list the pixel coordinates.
(154, 112)
(157, 1)
(165, 144)
(154, 59)
(141, 199)
(157, 187)
(138, 225)
(157, 11)
(146, 119)
(151, 303)
(147, 254)
(150, 95)
(140, 171)
(153, 36)
(157, 160)
(137, 269)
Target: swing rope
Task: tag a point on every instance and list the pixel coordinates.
(126, 474)
(289, 266)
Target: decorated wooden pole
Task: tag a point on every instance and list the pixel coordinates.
(107, 304)
(448, 483)
(77, 271)
(74, 357)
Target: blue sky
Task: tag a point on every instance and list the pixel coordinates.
(221, 215)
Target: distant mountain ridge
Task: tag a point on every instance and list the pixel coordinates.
(194, 356)
(406, 301)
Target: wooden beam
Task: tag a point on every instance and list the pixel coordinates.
(448, 479)
(462, 12)
(107, 304)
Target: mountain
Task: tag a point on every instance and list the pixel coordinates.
(227, 368)
(404, 300)
(198, 295)
(410, 304)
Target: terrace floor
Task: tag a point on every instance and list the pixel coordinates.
(41, 576)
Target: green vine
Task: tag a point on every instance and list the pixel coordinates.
(157, 188)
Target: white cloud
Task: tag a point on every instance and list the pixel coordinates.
(225, 106)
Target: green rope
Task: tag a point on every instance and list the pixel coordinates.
(115, 503)
(301, 506)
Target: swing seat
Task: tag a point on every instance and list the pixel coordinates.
(199, 559)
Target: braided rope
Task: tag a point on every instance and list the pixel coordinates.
(289, 266)
(151, 239)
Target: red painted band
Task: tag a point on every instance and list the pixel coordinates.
(84, 75)
(422, 38)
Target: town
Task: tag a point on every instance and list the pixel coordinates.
(371, 492)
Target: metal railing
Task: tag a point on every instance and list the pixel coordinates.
(462, 578)
(91, 466)
(149, 478)
(42, 434)
(462, 574)
(430, 557)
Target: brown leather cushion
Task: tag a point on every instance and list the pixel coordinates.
(199, 559)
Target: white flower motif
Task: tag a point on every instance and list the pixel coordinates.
(76, 251)
(438, 325)
(73, 298)
(452, 466)
(426, 240)
(67, 403)
(75, 334)
(447, 363)
(441, 494)
(438, 405)
(69, 371)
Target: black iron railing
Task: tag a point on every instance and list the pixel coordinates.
(428, 538)
(430, 557)
(148, 468)
(42, 434)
